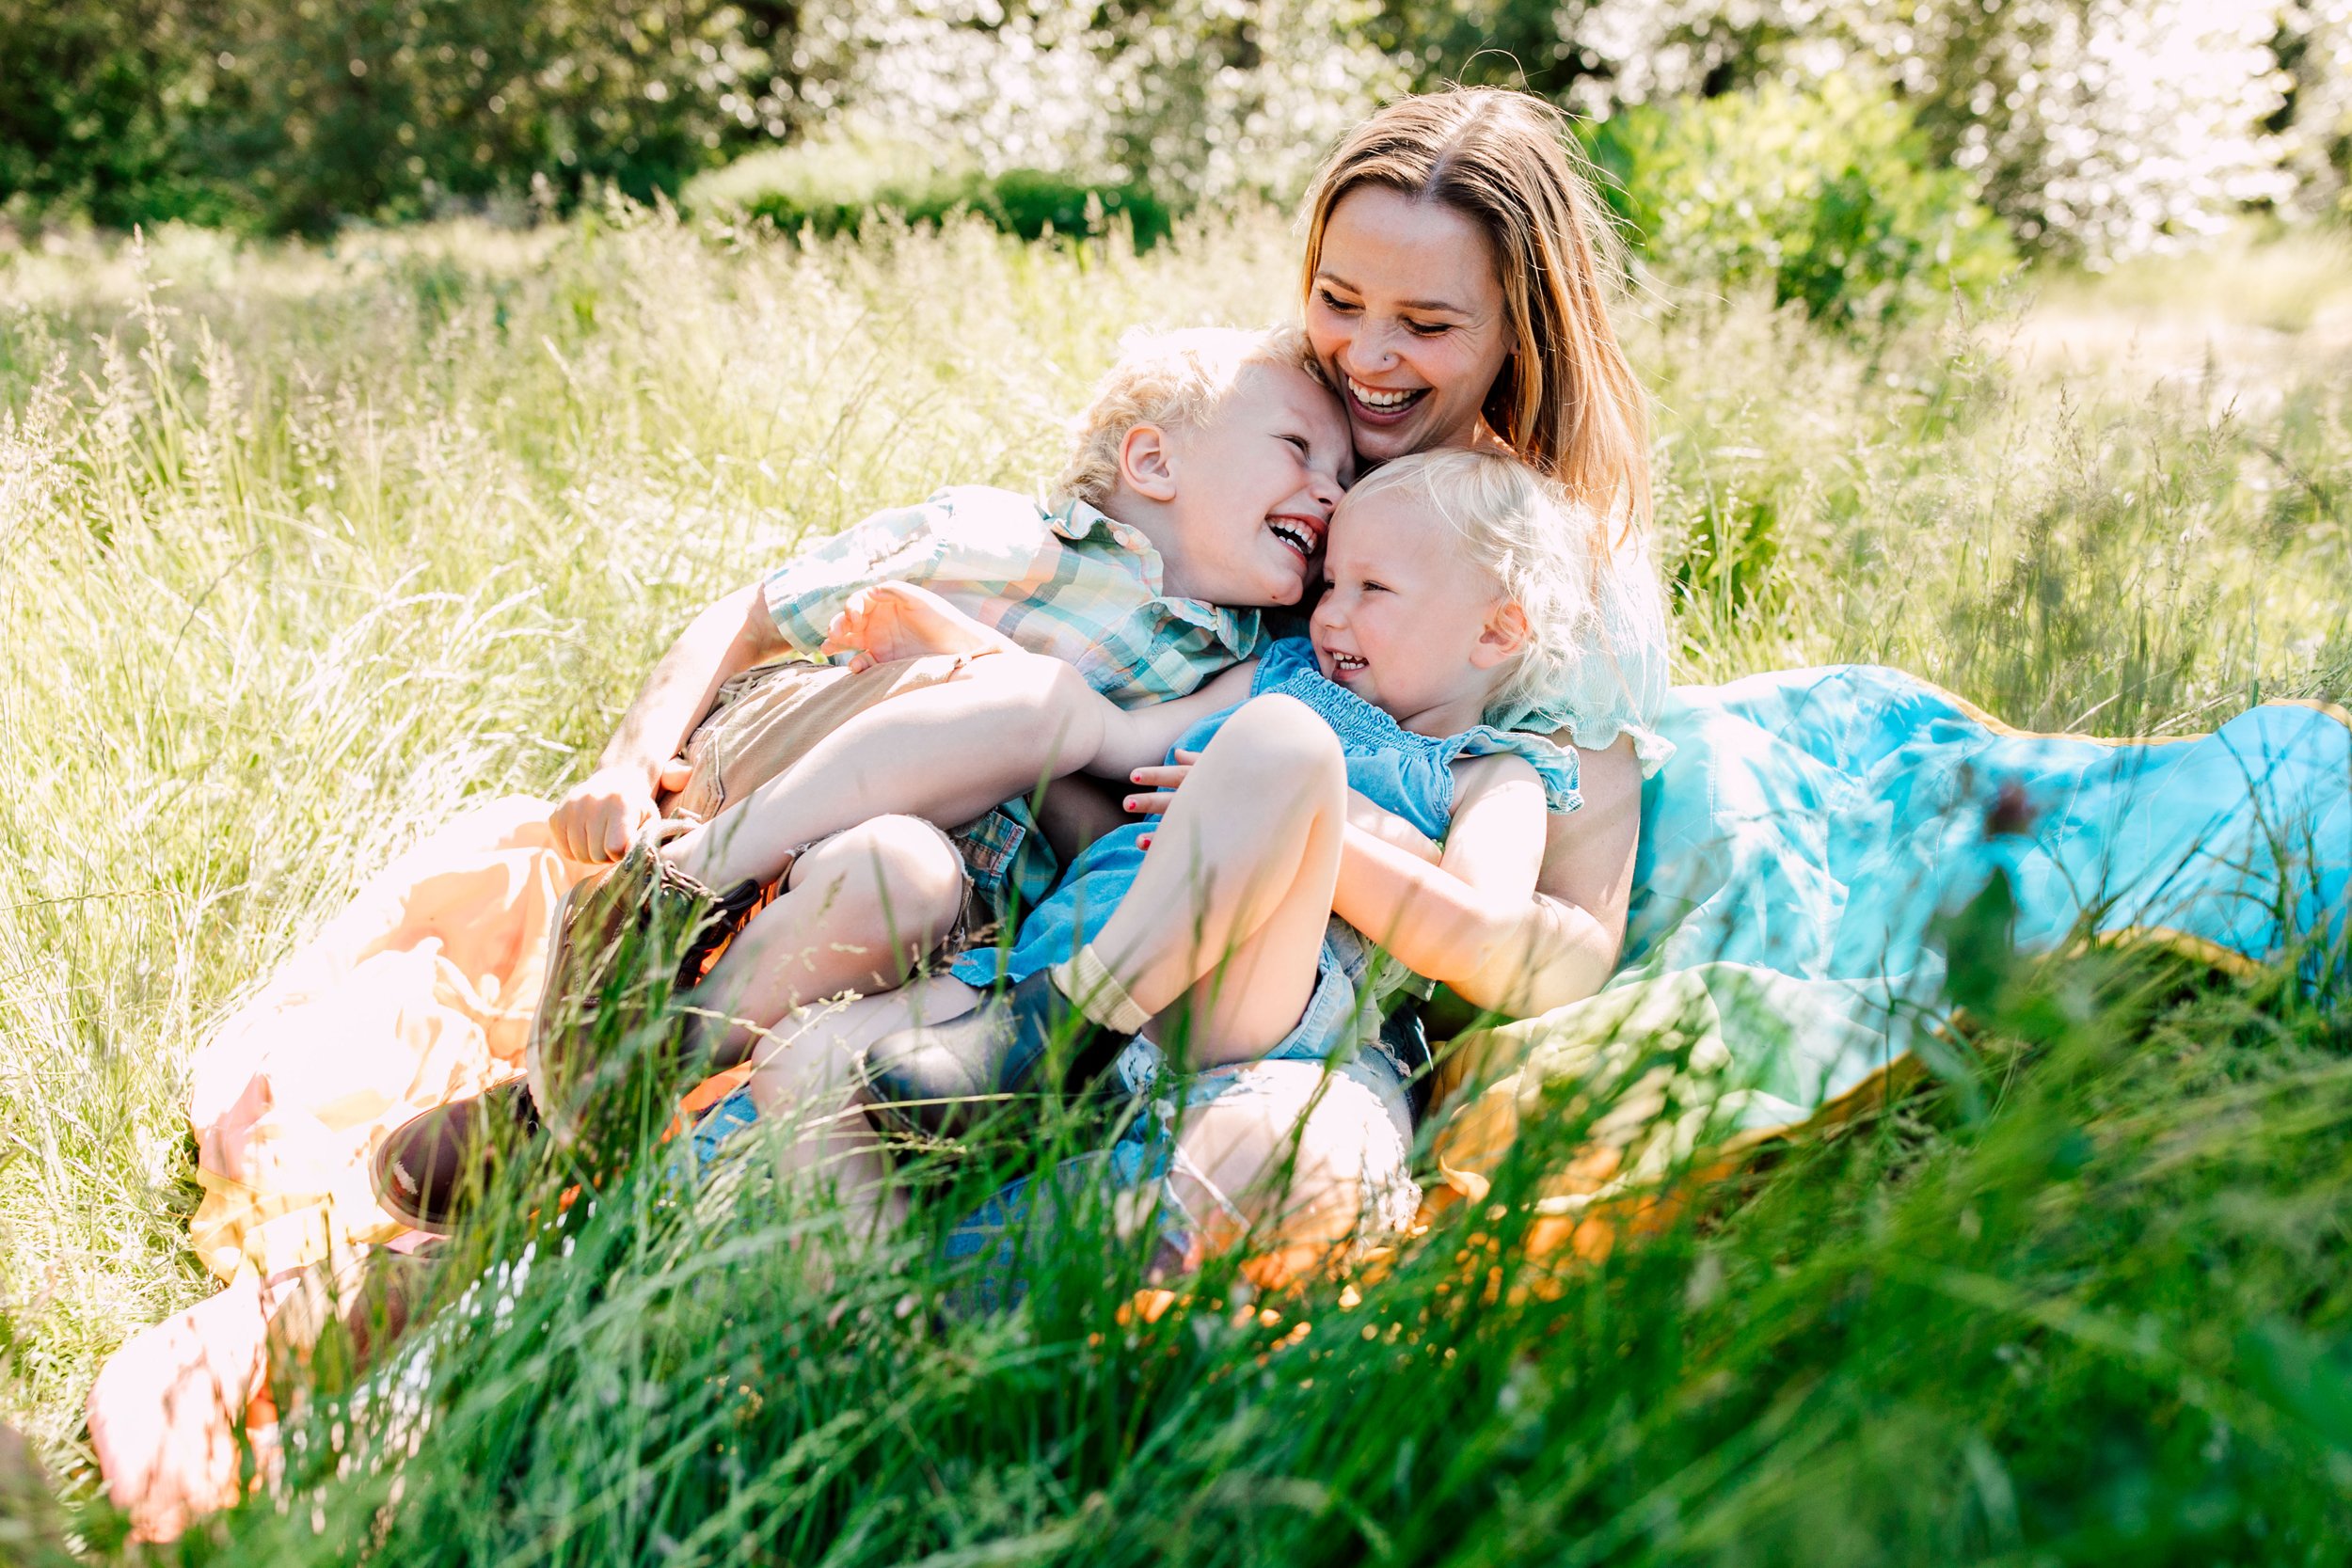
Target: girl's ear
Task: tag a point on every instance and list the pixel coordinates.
(1147, 464)
(1504, 635)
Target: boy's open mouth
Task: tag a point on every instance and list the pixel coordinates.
(1381, 403)
(1297, 536)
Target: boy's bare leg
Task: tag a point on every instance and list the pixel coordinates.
(1251, 851)
(857, 914)
(945, 753)
(806, 1076)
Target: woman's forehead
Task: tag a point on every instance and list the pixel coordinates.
(1415, 254)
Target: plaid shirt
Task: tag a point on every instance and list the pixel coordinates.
(1070, 584)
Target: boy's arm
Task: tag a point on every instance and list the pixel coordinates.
(600, 816)
(1464, 920)
(1136, 739)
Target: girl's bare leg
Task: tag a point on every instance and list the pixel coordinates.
(857, 914)
(804, 1079)
(1230, 908)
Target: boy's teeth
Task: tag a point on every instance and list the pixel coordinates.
(1374, 397)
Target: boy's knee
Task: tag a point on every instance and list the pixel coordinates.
(1307, 1162)
(898, 867)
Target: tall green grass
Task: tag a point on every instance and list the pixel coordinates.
(305, 549)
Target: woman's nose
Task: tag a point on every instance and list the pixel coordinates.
(1374, 348)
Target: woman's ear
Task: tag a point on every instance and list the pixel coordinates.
(1147, 464)
(1504, 635)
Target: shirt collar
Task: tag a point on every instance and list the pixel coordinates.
(1078, 521)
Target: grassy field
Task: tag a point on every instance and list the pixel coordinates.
(304, 549)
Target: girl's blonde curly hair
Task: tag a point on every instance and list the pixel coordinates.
(1533, 537)
(1168, 378)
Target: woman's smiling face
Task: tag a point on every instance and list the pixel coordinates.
(1407, 314)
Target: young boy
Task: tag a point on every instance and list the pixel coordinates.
(1202, 479)
(1220, 456)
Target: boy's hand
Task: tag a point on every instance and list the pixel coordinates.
(891, 620)
(1159, 785)
(601, 817)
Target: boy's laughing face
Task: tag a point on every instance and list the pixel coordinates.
(1254, 490)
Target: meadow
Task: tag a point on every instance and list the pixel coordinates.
(302, 548)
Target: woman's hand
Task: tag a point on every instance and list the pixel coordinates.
(891, 620)
(603, 815)
(1157, 786)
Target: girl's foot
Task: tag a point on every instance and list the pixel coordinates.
(892, 621)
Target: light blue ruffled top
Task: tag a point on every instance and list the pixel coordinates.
(1410, 775)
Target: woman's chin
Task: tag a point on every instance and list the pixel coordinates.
(1382, 443)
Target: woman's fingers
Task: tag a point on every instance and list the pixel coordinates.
(1154, 805)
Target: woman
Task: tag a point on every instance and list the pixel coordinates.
(1455, 293)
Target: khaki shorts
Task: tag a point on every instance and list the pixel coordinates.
(767, 718)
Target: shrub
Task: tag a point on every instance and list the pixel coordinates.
(835, 187)
(1831, 197)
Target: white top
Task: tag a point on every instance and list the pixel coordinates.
(1618, 685)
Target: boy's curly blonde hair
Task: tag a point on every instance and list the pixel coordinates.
(1168, 378)
(1543, 546)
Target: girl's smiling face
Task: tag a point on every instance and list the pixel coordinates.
(1406, 315)
(1408, 620)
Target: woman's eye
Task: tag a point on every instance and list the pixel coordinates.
(1332, 301)
(1428, 329)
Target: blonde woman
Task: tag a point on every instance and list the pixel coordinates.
(1455, 293)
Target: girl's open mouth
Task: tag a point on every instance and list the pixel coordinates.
(1380, 404)
(1346, 667)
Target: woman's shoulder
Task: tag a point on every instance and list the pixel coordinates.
(1616, 687)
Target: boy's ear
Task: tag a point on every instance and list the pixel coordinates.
(1504, 635)
(1147, 464)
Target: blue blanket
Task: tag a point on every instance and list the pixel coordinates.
(1813, 825)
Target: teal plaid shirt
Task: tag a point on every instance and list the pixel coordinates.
(1071, 583)
(1068, 582)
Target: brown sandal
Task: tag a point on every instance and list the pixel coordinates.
(622, 944)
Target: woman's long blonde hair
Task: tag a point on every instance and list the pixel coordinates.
(1567, 399)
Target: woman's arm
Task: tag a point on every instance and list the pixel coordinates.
(1558, 942)
(598, 817)
(1577, 914)
(1455, 921)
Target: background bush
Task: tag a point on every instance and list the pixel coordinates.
(1830, 199)
(834, 187)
